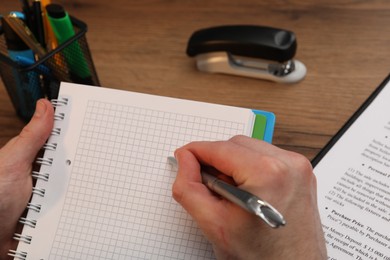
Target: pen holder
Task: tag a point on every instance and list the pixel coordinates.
(26, 81)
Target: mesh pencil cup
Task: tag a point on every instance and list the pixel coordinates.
(27, 80)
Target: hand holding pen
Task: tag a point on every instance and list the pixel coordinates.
(246, 200)
(282, 178)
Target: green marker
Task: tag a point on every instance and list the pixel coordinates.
(63, 30)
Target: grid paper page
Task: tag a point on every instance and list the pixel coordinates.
(119, 203)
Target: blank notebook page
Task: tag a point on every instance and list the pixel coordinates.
(109, 194)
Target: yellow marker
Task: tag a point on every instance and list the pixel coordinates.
(51, 41)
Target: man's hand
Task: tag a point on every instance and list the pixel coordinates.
(282, 178)
(16, 159)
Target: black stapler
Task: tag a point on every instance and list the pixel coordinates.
(247, 50)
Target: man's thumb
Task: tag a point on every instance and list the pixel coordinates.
(34, 135)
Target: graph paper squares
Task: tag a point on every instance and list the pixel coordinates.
(119, 203)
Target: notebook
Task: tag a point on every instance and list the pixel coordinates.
(353, 179)
(103, 190)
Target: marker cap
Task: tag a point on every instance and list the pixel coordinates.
(55, 11)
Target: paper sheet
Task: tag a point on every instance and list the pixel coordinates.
(354, 187)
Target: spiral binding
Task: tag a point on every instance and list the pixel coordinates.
(24, 238)
(40, 175)
(17, 254)
(51, 147)
(44, 161)
(34, 207)
(39, 191)
(56, 131)
(60, 102)
(29, 222)
(59, 116)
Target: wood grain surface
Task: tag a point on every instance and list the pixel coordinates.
(140, 46)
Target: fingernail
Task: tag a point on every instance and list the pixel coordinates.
(40, 108)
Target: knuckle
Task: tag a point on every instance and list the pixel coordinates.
(303, 167)
(177, 192)
(298, 165)
(272, 164)
(238, 138)
(182, 193)
(302, 162)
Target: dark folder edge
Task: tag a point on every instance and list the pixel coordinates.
(349, 122)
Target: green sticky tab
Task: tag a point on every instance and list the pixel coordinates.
(259, 127)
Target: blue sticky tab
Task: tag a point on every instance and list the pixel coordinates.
(269, 124)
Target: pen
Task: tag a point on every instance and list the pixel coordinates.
(28, 88)
(25, 62)
(17, 14)
(244, 199)
(28, 38)
(27, 11)
(26, 35)
(44, 71)
(38, 23)
(12, 43)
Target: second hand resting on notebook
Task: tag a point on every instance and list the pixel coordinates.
(283, 178)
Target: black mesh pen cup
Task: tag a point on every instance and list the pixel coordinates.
(27, 80)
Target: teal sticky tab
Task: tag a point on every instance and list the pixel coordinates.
(269, 124)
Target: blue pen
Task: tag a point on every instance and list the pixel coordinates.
(25, 62)
(28, 88)
(50, 84)
(18, 14)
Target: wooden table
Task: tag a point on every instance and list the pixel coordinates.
(140, 46)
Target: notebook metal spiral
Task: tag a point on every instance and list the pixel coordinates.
(29, 222)
(37, 191)
(34, 207)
